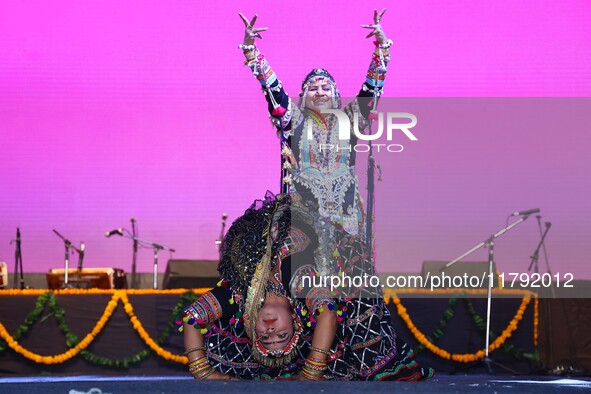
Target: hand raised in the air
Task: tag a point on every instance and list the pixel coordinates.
(377, 28)
(250, 32)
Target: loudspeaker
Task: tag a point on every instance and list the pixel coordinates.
(189, 274)
(463, 274)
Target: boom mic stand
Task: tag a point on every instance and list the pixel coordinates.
(534, 257)
(543, 244)
(156, 249)
(490, 243)
(18, 261)
(155, 246)
(534, 264)
(548, 307)
(68, 245)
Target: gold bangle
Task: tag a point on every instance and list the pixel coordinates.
(199, 370)
(315, 364)
(315, 368)
(194, 349)
(200, 363)
(197, 360)
(328, 353)
(197, 364)
(204, 375)
(312, 375)
(313, 361)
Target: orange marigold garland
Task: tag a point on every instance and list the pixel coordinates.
(137, 325)
(122, 295)
(99, 326)
(68, 354)
(469, 357)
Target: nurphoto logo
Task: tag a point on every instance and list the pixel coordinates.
(390, 121)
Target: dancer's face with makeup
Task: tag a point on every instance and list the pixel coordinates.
(274, 327)
(319, 95)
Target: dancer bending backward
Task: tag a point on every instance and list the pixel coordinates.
(261, 323)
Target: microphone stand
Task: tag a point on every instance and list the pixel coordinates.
(218, 242)
(491, 247)
(80, 260)
(534, 257)
(68, 245)
(370, 199)
(560, 306)
(18, 261)
(371, 165)
(134, 258)
(543, 243)
(156, 247)
(548, 308)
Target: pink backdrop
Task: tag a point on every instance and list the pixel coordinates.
(118, 109)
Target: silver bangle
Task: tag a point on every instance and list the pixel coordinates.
(246, 47)
(387, 45)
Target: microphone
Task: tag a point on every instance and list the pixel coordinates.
(224, 216)
(525, 213)
(118, 231)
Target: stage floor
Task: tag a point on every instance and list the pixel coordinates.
(442, 383)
